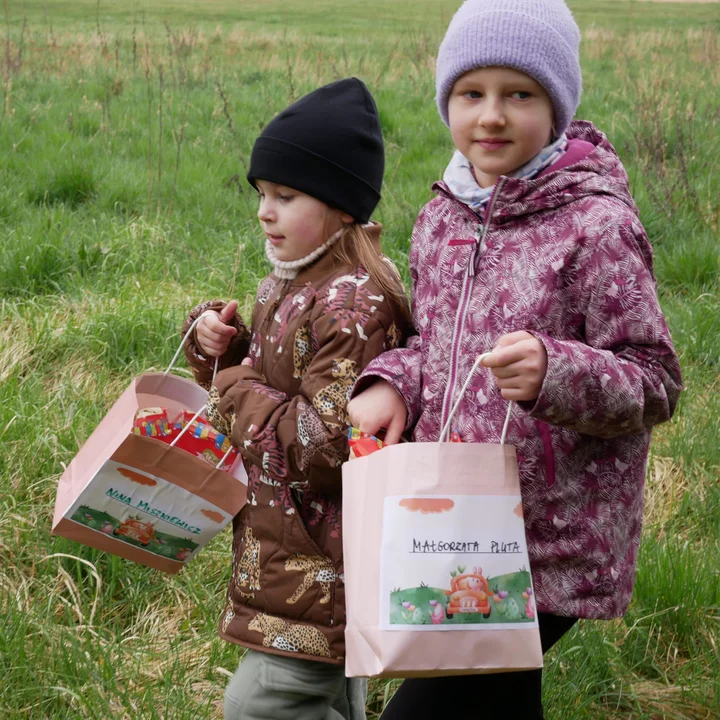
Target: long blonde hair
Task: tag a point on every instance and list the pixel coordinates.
(354, 247)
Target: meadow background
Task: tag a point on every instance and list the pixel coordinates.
(125, 130)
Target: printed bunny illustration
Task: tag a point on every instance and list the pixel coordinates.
(469, 593)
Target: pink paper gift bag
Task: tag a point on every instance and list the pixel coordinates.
(437, 577)
(140, 498)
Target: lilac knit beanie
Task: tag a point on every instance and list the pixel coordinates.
(537, 37)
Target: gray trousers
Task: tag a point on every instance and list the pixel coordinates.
(272, 687)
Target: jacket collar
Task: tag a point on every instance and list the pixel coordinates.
(324, 266)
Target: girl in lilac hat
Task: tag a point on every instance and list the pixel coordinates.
(532, 249)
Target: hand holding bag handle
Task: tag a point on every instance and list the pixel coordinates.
(446, 429)
(215, 369)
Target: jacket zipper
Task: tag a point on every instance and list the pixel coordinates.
(270, 316)
(468, 278)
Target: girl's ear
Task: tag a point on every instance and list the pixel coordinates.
(346, 219)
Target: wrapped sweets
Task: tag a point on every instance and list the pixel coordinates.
(201, 438)
(362, 444)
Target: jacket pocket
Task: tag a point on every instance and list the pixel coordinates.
(280, 570)
(315, 573)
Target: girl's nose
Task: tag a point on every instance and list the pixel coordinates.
(265, 211)
(492, 114)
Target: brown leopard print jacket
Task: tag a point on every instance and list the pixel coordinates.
(286, 411)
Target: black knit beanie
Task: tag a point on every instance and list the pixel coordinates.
(328, 145)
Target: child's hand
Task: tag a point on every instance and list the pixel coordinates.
(213, 334)
(379, 407)
(519, 363)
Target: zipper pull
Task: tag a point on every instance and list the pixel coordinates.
(473, 254)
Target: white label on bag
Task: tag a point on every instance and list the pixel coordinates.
(455, 562)
(147, 512)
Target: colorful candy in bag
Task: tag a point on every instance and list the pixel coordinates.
(201, 438)
(362, 444)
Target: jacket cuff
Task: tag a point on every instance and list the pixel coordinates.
(201, 365)
(401, 370)
(555, 392)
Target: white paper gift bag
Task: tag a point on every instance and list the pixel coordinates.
(437, 573)
(140, 498)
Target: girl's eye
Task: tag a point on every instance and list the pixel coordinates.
(285, 198)
(521, 95)
(473, 94)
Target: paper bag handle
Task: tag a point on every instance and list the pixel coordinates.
(215, 369)
(446, 429)
(184, 340)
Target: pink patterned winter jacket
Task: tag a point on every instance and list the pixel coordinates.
(564, 257)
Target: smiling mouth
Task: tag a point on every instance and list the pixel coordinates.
(492, 143)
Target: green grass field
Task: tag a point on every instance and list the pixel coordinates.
(125, 129)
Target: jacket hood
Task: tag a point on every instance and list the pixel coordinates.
(590, 166)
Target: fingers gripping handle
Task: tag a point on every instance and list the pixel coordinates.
(215, 368)
(185, 339)
(446, 429)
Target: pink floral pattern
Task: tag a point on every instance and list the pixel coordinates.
(564, 257)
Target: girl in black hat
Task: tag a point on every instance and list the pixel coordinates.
(331, 304)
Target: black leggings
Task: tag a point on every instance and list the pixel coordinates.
(502, 695)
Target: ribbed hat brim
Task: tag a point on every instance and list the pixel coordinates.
(285, 163)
